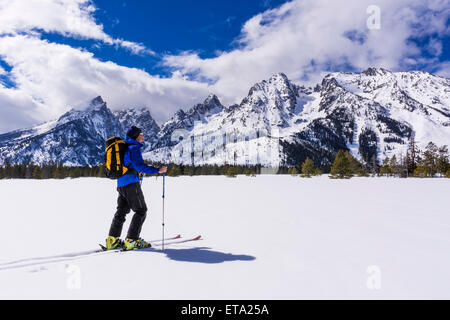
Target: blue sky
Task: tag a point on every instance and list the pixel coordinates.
(169, 27)
(169, 55)
(205, 27)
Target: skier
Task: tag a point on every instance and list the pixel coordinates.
(131, 196)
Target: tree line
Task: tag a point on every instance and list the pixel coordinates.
(59, 171)
(431, 162)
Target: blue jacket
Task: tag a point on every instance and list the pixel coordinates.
(133, 159)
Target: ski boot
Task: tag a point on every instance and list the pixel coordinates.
(114, 243)
(140, 243)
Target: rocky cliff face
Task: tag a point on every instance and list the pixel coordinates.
(373, 114)
(76, 138)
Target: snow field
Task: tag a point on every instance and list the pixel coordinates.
(264, 237)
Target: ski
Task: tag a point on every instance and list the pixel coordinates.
(179, 241)
(77, 255)
(103, 248)
(178, 236)
(167, 239)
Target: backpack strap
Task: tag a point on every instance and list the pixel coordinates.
(130, 170)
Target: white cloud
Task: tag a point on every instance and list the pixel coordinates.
(51, 78)
(72, 18)
(303, 38)
(135, 48)
(443, 69)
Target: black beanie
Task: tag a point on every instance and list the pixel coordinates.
(134, 132)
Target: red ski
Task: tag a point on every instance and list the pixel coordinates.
(180, 241)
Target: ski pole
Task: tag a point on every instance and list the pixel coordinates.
(163, 197)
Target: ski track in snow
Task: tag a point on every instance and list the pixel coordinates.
(264, 237)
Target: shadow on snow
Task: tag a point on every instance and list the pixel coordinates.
(200, 255)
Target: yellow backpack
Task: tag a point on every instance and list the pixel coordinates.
(115, 149)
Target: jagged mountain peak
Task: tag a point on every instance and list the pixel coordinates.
(96, 103)
(94, 106)
(412, 91)
(277, 94)
(211, 105)
(329, 81)
(278, 77)
(375, 71)
(130, 111)
(278, 81)
(371, 113)
(77, 137)
(212, 101)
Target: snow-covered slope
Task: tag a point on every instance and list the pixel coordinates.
(418, 99)
(241, 134)
(76, 138)
(186, 120)
(260, 245)
(373, 114)
(141, 118)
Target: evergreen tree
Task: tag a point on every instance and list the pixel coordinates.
(36, 174)
(308, 168)
(17, 171)
(294, 171)
(394, 167)
(45, 172)
(58, 171)
(100, 171)
(283, 170)
(77, 172)
(402, 169)
(442, 164)
(8, 170)
(420, 171)
(29, 168)
(86, 171)
(215, 170)
(413, 155)
(385, 169)
(188, 171)
(231, 172)
(344, 165)
(430, 156)
(173, 170)
(205, 170)
(374, 165)
(198, 170)
(250, 171)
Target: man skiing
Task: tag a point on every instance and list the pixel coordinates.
(131, 196)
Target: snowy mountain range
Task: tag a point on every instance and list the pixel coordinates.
(76, 138)
(373, 114)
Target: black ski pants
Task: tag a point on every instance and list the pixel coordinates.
(130, 198)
